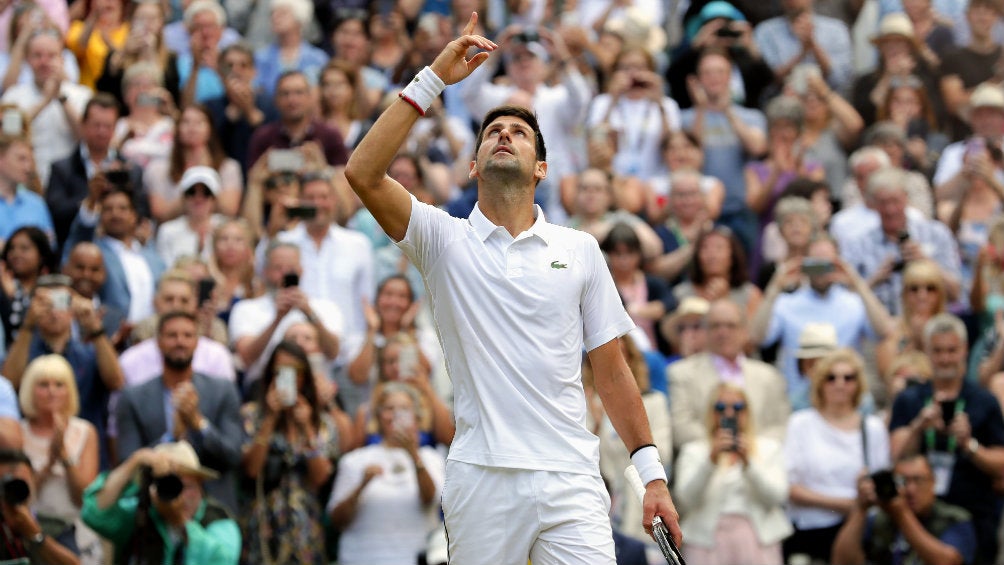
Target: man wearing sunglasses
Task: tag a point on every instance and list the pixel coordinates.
(912, 526)
(958, 427)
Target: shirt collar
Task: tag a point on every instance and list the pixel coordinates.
(119, 246)
(485, 228)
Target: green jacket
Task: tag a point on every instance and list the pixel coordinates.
(217, 542)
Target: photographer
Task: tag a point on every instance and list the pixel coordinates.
(164, 516)
(22, 538)
(911, 526)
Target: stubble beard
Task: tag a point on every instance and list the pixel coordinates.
(506, 177)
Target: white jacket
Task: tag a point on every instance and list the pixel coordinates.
(704, 490)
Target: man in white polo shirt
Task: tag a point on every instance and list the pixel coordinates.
(515, 300)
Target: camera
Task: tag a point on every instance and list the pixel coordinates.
(169, 487)
(813, 267)
(304, 212)
(728, 32)
(290, 279)
(527, 36)
(885, 485)
(117, 177)
(14, 490)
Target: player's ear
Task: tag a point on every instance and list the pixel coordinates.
(473, 173)
(540, 172)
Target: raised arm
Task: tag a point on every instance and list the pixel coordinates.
(366, 171)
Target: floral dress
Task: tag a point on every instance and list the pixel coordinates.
(280, 515)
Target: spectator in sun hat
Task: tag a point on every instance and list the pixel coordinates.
(684, 329)
(190, 233)
(987, 115)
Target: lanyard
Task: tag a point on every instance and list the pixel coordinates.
(960, 405)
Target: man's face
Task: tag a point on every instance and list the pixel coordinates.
(948, 356)
(981, 19)
(988, 121)
(45, 57)
(714, 74)
(177, 341)
(686, 200)
(292, 98)
(525, 68)
(508, 152)
(15, 163)
(319, 193)
(175, 296)
(916, 485)
(891, 207)
(825, 251)
(118, 218)
(205, 30)
(796, 6)
(239, 65)
(99, 128)
(726, 332)
(87, 269)
(593, 197)
(282, 260)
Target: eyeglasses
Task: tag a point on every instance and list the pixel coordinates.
(914, 288)
(198, 190)
(848, 378)
(903, 480)
(691, 327)
(720, 407)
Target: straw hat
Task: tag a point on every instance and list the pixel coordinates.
(816, 340)
(895, 25)
(690, 306)
(184, 460)
(635, 27)
(987, 95)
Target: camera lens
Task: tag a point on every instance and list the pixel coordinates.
(169, 487)
(15, 491)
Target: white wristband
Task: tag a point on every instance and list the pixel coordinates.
(423, 90)
(649, 466)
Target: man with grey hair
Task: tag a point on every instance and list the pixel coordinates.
(177, 37)
(198, 72)
(258, 324)
(958, 426)
(881, 252)
(290, 19)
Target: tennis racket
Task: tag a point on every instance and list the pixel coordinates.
(659, 531)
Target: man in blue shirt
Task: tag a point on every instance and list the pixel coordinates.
(19, 206)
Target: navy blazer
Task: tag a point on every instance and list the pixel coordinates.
(68, 188)
(115, 292)
(142, 423)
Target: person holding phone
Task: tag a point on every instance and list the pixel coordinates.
(288, 456)
(390, 488)
(966, 452)
(731, 487)
(912, 524)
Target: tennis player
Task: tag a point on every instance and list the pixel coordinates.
(515, 300)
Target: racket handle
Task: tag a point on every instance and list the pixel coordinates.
(634, 481)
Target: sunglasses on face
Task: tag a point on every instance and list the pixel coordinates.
(914, 288)
(848, 378)
(720, 407)
(198, 190)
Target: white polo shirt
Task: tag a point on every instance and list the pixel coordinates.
(513, 316)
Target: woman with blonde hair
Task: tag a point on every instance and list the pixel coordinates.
(826, 448)
(923, 295)
(730, 488)
(614, 457)
(231, 265)
(63, 450)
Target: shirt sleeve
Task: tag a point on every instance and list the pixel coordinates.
(603, 315)
(430, 230)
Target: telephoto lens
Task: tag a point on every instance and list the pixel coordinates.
(169, 487)
(14, 490)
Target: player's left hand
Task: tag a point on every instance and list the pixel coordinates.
(658, 503)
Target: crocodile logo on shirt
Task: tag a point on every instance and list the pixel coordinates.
(557, 265)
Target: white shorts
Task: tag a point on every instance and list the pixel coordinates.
(499, 516)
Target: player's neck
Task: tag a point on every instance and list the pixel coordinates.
(509, 209)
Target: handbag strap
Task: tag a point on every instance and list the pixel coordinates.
(864, 442)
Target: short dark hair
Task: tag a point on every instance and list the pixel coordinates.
(121, 189)
(100, 100)
(10, 456)
(517, 112)
(994, 5)
(621, 234)
(804, 187)
(173, 315)
(291, 73)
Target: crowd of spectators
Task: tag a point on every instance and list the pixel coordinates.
(211, 353)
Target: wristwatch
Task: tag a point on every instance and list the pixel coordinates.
(36, 540)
